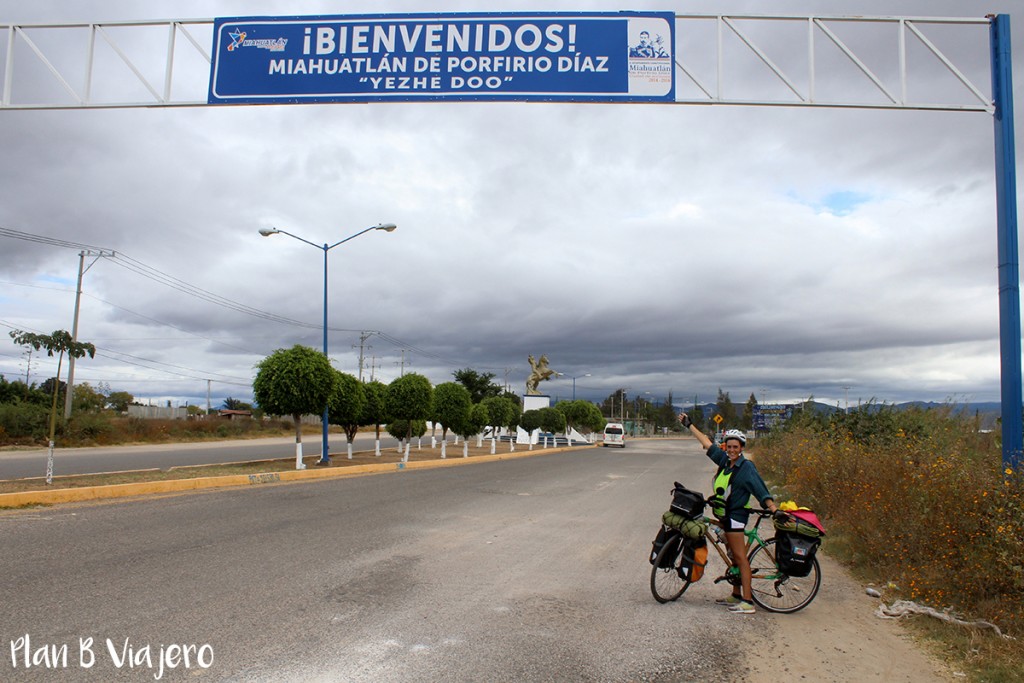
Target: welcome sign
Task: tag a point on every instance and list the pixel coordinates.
(586, 57)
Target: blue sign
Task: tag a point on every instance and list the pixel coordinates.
(768, 417)
(565, 57)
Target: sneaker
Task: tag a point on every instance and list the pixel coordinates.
(742, 607)
(731, 600)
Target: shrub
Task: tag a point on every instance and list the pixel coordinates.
(89, 428)
(917, 498)
(24, 422)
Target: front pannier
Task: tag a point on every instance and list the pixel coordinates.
(685, 502)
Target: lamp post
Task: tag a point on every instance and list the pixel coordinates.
(325, 458)
(574, 385)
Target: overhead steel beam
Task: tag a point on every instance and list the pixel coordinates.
(79, 84)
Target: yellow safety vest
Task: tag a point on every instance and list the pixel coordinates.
(722, 490)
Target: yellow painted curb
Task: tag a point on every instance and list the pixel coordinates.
(86, 493)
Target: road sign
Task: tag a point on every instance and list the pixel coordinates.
(588, 57)
(718, 419)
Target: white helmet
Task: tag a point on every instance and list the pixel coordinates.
(735, 434)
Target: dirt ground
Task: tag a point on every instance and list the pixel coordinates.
(844, 643)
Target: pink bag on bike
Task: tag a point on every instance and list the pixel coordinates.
(809, 517)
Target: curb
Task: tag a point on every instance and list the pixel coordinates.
(87, 493)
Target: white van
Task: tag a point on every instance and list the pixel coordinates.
(614, 435)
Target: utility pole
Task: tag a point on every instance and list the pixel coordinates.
(82, 270)
(402, 364)
(28, 366)
(208, 396)
(363, 336)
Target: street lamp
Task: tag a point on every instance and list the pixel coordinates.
(574, 385)
(325, 458)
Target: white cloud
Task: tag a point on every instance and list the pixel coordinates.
(656, 247)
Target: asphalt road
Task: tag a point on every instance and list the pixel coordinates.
(32, 463)
(533, 569)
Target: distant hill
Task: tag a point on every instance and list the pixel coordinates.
(988, 412)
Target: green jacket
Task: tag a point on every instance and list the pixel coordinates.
(745, 482)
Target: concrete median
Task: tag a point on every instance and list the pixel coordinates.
(88, 493)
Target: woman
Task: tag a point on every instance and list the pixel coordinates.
(735, 482)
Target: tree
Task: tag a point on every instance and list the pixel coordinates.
(552, 420)
(546, 419)
(408, 398)
(747, 423)
(297, 381)
(346, 404)
(531, 420)
(234, 404)
(86, 399)
(594, 420)
(18, 392)
(514, 415)
(499, 412)
(577, 412)
(726, 409)
(60, 342)
(374, 412)
(404, 430)
(697, 416)
(120, 400)
(452, 404)
(614, 405)
(479, 385)
(666, 415)
(473, 424)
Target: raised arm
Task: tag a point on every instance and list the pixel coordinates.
(685, 420)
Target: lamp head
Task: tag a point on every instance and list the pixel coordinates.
(267, 232)
(386, 227)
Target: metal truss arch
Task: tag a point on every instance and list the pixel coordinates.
(721, 60)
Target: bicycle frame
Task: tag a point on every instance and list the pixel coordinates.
(753, 539)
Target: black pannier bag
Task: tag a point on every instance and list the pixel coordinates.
(666, 534)
(686, 502)
(795, 553)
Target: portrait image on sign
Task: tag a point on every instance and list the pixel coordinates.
(650, 56)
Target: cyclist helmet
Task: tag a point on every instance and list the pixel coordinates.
(735, 434)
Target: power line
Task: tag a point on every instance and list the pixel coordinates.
(128, 263)
(41, 239)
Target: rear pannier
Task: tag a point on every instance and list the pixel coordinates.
(795, 553)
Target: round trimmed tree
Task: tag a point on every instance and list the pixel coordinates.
(410, 397)
(346, 405)
(374, 412)
(452, 403)
(297, 381)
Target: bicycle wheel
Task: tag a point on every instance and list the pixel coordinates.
(669, 582)
(778, 592)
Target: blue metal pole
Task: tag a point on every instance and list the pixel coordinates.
(1009, 270)
(325, 457)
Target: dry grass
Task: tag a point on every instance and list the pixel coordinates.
(917, 502)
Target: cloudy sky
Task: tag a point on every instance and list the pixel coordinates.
(847, 254)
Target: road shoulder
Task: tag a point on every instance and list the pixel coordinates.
(845, 642)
